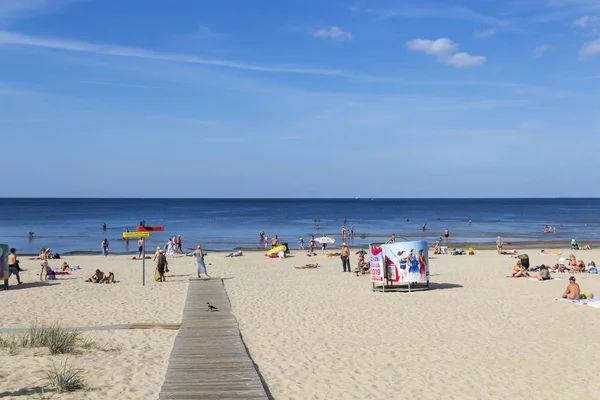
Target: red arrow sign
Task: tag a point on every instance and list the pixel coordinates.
(149, 228)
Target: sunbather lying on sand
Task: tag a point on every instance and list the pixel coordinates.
(308, 266)
(100, 277)
(232, 254)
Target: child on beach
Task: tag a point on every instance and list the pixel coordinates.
(301, 242)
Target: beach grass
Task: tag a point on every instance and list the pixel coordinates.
(57, 339)
(65, 378)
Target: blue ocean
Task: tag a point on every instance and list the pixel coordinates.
(67, 225)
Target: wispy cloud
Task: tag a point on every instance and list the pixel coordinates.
(585, 21)
(203, 32)
(488, 33)
(11, 10)
(333, 33)
(541, 50)
(444, 11)
(13, 38)
(589, 49)
(446, 52)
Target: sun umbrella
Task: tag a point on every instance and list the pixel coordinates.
(325, 239)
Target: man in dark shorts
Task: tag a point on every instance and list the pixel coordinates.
(161, 265)
(13, 265)
(311, 244)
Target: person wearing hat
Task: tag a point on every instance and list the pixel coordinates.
(573, 292)
(161, 265)
(201, 266)
(345, 256)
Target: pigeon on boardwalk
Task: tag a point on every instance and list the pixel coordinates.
(211, 308)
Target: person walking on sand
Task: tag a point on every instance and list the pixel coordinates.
(446, 235)
(345, 257)
(105, 247)
(178, 244)
(266, 241)
(13, 265)
(311, 244)
(499, 244)
(261, 235)
(169, 247)
(200, 265)
(161, 265)
(275, 242)
(43, 264)
(301, 242)
(140, 247)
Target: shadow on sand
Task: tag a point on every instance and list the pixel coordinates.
(442, 286)
(28, 285)
(28, 391)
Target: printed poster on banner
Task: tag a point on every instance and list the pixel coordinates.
(407, 262)
(3, 261)
(376, 263)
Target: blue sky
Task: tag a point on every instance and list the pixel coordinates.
(300, 98)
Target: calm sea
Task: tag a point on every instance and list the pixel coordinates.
(223, 224)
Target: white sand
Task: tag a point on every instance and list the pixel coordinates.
(322, 334)
(136, 365)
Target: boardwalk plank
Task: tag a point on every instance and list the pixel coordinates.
(209, 359)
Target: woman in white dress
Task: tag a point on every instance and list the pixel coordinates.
(170, 250)
(200, 265)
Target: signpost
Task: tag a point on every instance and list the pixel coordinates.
(143, 235)
(143, 232)
(129, 235)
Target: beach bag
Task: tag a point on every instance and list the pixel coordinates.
(157, 276)
(524, 261)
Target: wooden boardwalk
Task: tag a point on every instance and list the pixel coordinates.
(209, 359)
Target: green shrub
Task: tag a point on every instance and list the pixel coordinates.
(65, 379)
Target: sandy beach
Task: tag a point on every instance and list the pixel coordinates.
(321, 333)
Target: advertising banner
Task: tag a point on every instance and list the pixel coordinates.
(407, 262)
(376, 263)
(3, 261)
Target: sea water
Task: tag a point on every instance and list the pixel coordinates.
(67, 225)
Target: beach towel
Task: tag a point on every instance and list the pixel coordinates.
(547, 280)
(583, 302)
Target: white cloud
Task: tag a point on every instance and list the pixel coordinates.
(485, 34)
(13, 38)
(333, 33)
(541, 50)
(436, 47)
(445, 51)
(585, 20)
(465, 60)
(590, 49)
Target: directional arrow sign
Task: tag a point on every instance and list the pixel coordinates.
(128, 235)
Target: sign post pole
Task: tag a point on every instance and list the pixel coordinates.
(143, 261)
(143, 236)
